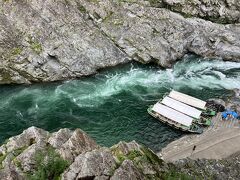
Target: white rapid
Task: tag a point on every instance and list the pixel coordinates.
(189, 73)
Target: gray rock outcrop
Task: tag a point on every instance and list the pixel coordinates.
(18, 154)
(127, 170)
(92, 164)
(219, 11)
(216, 169)
(50, 41)
(42, 156)
(19, 157)
(158, 35)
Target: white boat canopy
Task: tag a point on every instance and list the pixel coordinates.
(181, 107)
(192, 101)
(172, 114)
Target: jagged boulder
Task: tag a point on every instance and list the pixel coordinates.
(126, 148)
(40, 159)
(28, 137)
(127, 170)
(37, 152)
(93, 164)
(78, 143)
(19, 154)
(57, 139)
(220, 11)
(26, 159)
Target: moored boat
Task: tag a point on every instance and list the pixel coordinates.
(174, 118)
(192, 101)
(197, 114)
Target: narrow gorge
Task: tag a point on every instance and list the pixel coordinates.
(77, 77)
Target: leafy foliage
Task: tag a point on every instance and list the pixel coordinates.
(49, 165)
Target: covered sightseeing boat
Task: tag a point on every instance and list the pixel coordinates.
(174, 118)
(192, 101)
(188, 110)
(182, 111)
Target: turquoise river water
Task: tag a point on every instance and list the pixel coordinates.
(111, 105)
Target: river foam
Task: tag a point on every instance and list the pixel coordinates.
(194, 74)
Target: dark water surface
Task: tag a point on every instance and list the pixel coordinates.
(111, 106)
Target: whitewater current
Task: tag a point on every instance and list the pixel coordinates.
(111, 105)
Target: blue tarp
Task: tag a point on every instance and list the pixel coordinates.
(226, 113)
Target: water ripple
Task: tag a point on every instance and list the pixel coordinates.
(111, 106)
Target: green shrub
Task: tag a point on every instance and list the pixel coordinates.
(173, 175)
(16, 51)
(35, 45)
(133, 154)
(49, 165)
(2, 157)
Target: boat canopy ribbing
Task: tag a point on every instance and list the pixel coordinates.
(172, 114)
(188, 99)
(181, 107)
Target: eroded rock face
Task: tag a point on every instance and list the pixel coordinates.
(158, 35)
(216, 169)
(50, 41)
(120, 162)
(78, 143)
(20, 156)
(220, 11)
(92, 164)
(10, 175)
(127, 171)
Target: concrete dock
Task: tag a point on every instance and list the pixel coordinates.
(218, 141)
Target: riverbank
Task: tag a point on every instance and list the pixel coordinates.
(218, 141)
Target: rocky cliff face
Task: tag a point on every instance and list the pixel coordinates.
(66, 154)
(49, 40)
(219, 11)
(81, 158)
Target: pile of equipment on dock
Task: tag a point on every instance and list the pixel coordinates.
(182, 112)
(230, 115)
